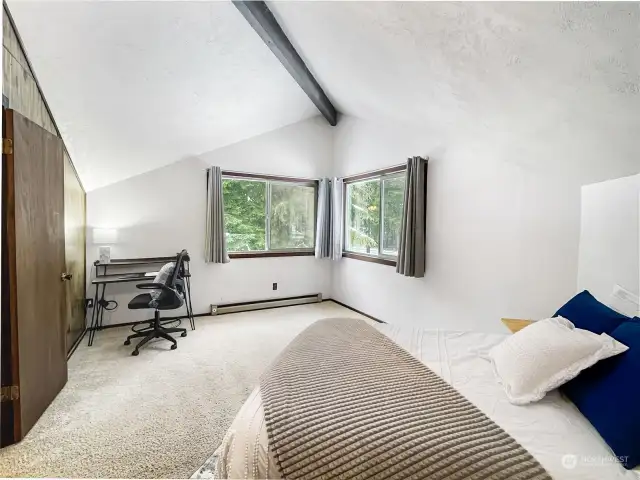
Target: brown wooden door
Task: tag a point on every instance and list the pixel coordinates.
(33, 262)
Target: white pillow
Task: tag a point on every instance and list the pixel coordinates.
(545, 355)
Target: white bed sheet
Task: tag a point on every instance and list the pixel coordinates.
(552, 430)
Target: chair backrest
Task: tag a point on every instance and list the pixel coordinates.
(175, 281)
(178, 269)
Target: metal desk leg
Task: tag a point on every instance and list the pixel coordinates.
(94, 316)
(192, 319)
(186, 304)
(104, 288)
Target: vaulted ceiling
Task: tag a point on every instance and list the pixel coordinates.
(136, 85)
(556, 84)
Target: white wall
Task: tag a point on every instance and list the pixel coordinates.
(609, 239)
(502, 240)
(162, 211)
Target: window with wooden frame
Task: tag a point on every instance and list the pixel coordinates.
(373, 205)
(267, 216)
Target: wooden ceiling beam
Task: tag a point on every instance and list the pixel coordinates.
(266, 26)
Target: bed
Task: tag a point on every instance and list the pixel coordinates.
(552, 430)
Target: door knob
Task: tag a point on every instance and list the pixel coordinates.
(66, 276)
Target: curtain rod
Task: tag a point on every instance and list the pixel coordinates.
(374, 173)
(378, 171)
(264, 176)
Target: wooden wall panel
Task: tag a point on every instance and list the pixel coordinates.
(11, 43)
(21, 89)
(18, 84)
(6, 68)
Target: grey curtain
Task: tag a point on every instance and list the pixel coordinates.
(323, 221)
(330, 219)
(215, 244)
(337, 210)
(411, 251)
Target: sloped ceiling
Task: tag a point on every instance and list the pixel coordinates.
(137, 85)
(557, 85)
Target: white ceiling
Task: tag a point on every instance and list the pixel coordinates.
(557, 85)
(135, 86)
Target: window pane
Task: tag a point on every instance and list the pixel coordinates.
(363, 216)
(393, 201)
(292, 218)
(244, 217)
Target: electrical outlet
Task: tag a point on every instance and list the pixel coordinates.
(275, 286)
(88, 302)
(214, 309)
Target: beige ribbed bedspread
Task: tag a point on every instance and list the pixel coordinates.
(548, 429)
(343, 401)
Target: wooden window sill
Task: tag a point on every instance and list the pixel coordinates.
(293, 253)
(369, 258)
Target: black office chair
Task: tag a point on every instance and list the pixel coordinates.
(166, 296)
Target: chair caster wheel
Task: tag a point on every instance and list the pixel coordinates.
(127, 342)
(173, 347)
(183, 334)
(135, 353)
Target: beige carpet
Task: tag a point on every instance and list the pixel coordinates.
(163, 413)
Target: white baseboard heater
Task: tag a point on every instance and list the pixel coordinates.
(262, 304)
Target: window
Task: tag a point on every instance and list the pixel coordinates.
(291, 216)
(373, 215)
(266, 215)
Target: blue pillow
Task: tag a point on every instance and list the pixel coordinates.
(585, 312)
(608, 395)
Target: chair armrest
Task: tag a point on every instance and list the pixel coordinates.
(153, 286)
